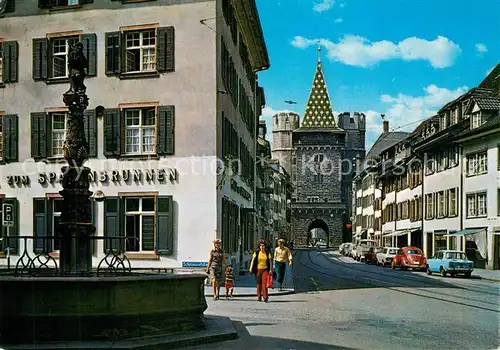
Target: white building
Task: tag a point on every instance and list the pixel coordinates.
(172, 89)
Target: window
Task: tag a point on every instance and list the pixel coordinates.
(60, 52)
(429, 164)
(9, 62)
(441, 204)
(477, 205)
(454, 116)
(45, 4)
(429, 207)
(50, 56)
(476, 120)
(452, 202)
(146, 221)
(146, 52)
(477, 164)
(48, 132)
(318, 171)
(453, 156)
(9, 144)
(140, 131)
(59, 126)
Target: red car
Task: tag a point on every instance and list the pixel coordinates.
(409, 257)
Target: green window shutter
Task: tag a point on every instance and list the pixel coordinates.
(164, 225)
(40, 59)
(112, 132)
(90, 51)
(39, 135)
(165, 59)
(40, 229)
(90, 127)
(10, 59)
(112, 223)
(10, 138)
(12, 243)
(10, 6)
(113, 53)
(148, 233)
(166, 130)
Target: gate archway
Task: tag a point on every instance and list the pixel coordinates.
(318, 234)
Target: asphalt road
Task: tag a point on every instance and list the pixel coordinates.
(344, 304)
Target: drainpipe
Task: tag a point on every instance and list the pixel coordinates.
(460, 191)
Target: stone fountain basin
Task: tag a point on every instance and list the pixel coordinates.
(46, 309)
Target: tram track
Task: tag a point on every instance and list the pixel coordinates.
(372, 282)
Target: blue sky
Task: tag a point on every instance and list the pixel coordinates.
(404, 58)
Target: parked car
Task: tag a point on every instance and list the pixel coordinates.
(348, 249)
(409, 257)
(453, 262)
(371, 256)
(363, 247)
(386, 255)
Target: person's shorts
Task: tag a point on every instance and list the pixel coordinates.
(229, 285)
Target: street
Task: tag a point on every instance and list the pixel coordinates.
(343, 304)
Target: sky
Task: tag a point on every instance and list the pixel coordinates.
(403, 58)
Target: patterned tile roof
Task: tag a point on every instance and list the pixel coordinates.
(319, 112)
(491, 103)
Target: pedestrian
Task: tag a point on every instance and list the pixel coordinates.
(261, 267)
(229, 282)
(282, 255)
(216, 261)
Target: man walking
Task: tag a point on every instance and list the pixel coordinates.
(282, 255)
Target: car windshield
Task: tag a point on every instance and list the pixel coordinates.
(378, 250)
(414, 251)
(455, 255)
(392, 251)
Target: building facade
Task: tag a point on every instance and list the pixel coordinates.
(160, 124)
(440, 183)
(320, 169)
(283, 125)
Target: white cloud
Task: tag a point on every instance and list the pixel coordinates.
(481, 48)
(342, 5)
(405, 112)
(355, 50)
(338, 20)
(323, 5)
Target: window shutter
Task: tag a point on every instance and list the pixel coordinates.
(39, 135)
(10, 6)
(90, 127)
(40, 60)
(10, 138)
(113, 53)
(90, 51)
(12, 244)
(166, 130)
(112, 223)
(164, 225)
(40, 206)
(112, 132)
(165, 60)
(10, 59)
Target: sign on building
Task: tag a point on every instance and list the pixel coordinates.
(8, 215)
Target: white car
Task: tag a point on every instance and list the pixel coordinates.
(386, 255)
(363, 247)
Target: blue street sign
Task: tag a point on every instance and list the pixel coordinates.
(194, 263)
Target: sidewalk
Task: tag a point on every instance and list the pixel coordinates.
(245, 286)
(489, 275)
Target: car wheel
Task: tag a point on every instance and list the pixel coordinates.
(429, 272)
(468, 274)
(442, 272)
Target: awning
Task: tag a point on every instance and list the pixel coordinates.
(467, 231)
(401, 232)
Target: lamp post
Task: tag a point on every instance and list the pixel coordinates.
(76, 216)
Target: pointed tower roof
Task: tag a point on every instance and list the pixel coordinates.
(319, 114)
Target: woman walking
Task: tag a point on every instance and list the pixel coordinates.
(282, 255)
(216, 262)
(261, 268)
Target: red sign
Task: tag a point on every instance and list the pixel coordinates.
(348, 225)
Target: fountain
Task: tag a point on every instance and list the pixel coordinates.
(48, 305)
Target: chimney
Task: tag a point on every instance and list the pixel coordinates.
(385, 126)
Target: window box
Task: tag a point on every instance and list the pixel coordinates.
(9, 135)
(9, 62)
(146, 221)
(140, 53)
(48, 132)
(50, 57)
(124, 130)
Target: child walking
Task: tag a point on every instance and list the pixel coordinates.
(229, 282)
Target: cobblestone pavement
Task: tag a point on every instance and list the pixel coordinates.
(343, 304)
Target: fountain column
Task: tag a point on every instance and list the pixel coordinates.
(76, 226)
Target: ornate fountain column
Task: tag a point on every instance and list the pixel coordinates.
(76, 217)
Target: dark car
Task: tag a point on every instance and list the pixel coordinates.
(371, 256)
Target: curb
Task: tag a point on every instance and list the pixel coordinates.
(252, 295)
(488, 279)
